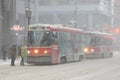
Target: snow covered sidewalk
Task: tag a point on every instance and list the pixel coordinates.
(8, 61)
(4, 62)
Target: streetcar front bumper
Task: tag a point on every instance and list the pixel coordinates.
(93, 55)
(39, 59)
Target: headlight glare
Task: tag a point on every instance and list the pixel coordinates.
(45, 52)
(36, 51)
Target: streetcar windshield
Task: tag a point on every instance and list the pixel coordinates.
(91, 40)
(41, 38)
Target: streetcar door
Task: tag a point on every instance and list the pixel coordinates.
(54, 42)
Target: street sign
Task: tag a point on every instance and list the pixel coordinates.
(16, 28)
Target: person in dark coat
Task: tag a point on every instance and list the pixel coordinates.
(4, 51)
(13, 52)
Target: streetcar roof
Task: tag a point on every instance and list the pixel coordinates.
(56, 27)
(35, 25)
(97, 33)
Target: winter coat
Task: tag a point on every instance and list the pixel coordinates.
(13, 51)
(3, 49)
(23, 51)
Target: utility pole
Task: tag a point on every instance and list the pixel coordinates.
(75, 15)
(28, 13)
(112, 14)
(112, 24)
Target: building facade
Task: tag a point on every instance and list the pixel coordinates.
(79, 13)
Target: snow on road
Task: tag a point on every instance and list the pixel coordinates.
(96, 69)
(4, 62)
(8, 61)
(109, 72)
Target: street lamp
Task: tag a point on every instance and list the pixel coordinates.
(28, 13)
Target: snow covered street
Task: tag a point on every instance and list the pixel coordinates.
(94, 69)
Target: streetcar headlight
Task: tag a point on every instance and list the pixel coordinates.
(28, 52)
(92, 50)
(85, 49)
(45, 52)
(36, 51)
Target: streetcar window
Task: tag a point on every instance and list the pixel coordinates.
(41, 38)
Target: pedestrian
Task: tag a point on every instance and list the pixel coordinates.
(22, 54)
(4, 51)
(13, 52)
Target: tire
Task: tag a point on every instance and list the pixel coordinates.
(63, 60)
(111, 55)
(80, 58)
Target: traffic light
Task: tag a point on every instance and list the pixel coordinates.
(117, 30)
